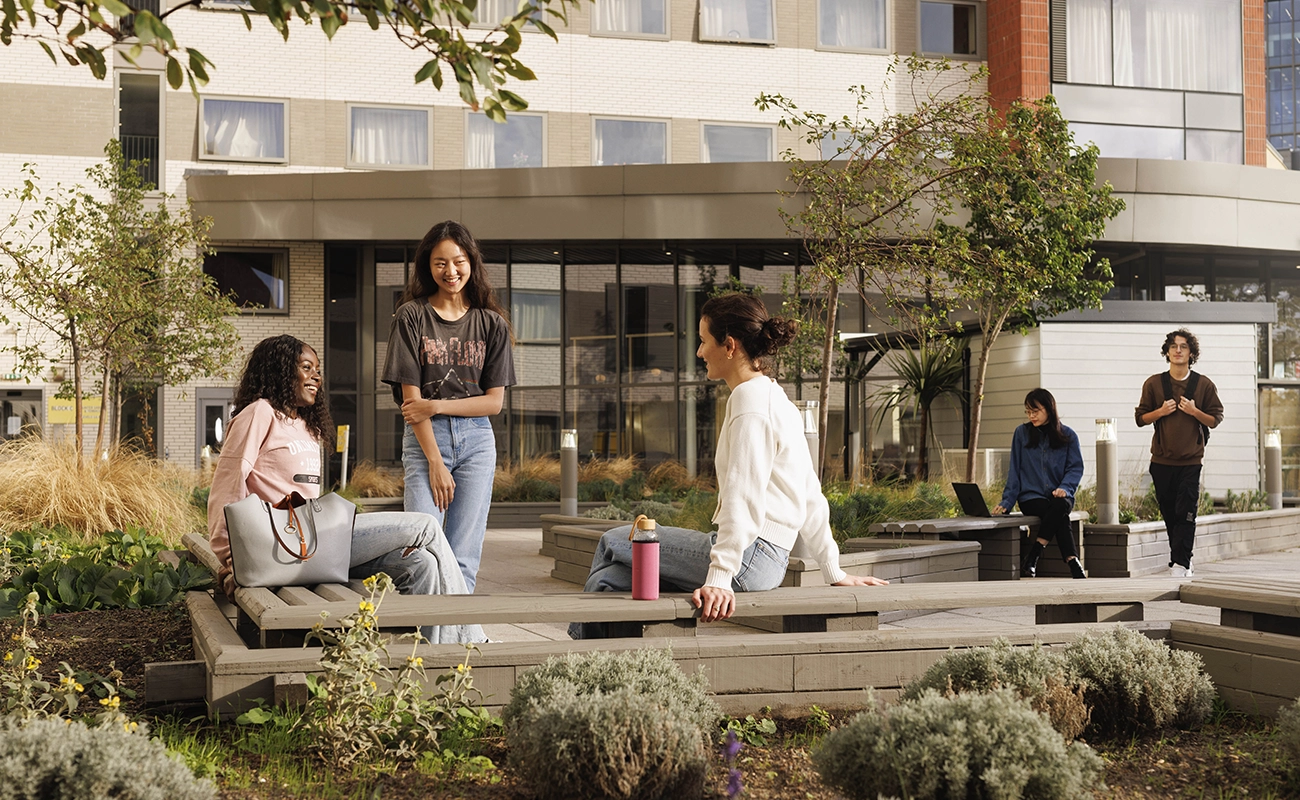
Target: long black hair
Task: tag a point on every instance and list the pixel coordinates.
(743, 317)
(272, 375)
(1041, 398)
(478, 289)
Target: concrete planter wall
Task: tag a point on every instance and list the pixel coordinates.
(500, 515)
(1142, 548)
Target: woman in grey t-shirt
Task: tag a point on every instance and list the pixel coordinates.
(449, 361)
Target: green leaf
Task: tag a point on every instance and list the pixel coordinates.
(175, 76)
(427, 71)
(330, 24)
(518, 71)
(49, 52)
(116, 8)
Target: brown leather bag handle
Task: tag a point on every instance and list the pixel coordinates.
(294, 527)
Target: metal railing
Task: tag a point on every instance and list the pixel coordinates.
(128, 22)
(145, 150)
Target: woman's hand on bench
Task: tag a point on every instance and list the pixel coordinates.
(714, 603)
(861, 580)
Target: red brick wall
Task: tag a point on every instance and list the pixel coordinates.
(1020, 51)
(1253, 81)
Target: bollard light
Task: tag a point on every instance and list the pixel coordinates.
(569, 472)
(1108, 471)
(1273, 466)
(809, 410)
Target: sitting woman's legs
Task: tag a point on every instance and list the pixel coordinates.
(1054, 516)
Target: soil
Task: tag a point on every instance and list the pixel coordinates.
(1234, 756)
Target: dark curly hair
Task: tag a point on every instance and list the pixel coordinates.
(272, 375)
(743, 317)
(1192, 344)
(478, 289)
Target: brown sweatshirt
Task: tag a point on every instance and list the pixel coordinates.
(1177, 440)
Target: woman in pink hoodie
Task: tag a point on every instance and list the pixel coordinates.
(281, 423)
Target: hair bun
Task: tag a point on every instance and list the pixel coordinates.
(779, 332)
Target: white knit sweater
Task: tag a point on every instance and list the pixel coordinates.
(767, 487)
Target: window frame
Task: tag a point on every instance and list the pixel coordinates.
(889, 34)
(202, 137)
(464, 139)
(525, 28)
(668, 136)
(428, 141)
(771, 150)
(699, 21)
(283, 252)
(981, 31)
(656, 37)
(162, 121)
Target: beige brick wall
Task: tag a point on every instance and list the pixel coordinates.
(67, 120)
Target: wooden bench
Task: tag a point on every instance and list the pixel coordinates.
(1000, 541)
(1254, 654)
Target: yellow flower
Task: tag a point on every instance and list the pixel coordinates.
(415, 660)
(462, 667)
(9, 657)
(370, 582)
(111, 702)
(374, 685)
(366, 607)
(32, 663)
(130, 727)
(79, 688)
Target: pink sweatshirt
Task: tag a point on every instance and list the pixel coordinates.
(267, 454)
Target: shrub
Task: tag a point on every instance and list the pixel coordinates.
(661, 513)
(989, 745)
(626, 725)
(525, 489)
(615, 470)
(602, 489)
(1037, 675)
(622, 744)
(1134, 683)
(41, 485)
(610, 511)
(697, 510)
(370, 480)
(1246, 501)
(53, 759)
(1288, 735)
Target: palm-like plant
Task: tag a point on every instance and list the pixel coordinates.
(932, 371)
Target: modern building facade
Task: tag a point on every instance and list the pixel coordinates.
(642, 175)
(1283, 67)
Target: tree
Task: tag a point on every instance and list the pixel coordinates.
(108, 282)
(82, 30)
(867, 216)
(1035, 209)
(928, 374)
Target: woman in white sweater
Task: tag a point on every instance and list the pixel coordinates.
(769, 497)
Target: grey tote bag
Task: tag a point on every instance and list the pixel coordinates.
(295, 542)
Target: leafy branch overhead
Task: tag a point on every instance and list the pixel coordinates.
(83, 31)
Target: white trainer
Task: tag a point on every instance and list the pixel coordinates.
(1178, 571)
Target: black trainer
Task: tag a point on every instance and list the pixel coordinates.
(1076, 569)
(1029, 563)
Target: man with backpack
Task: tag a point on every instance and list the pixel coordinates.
(1183, 405)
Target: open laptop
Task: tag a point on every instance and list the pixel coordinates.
(972, 500)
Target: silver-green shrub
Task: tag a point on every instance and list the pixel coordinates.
(610, 511)
(979, 745)
(620, 725)
(54, 759)
(1135, 683)
(1288, 736)
(651, 672)
(1038, 675)
(622, 745)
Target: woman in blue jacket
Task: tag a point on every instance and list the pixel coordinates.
(1046, 467)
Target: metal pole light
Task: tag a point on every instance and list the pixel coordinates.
(1108, 471)
(809, 409)
(569, 472)
(1273, 467)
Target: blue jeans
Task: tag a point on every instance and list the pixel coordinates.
(683, 567)
(380, 542)
(469, 451)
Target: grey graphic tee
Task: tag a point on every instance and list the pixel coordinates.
(448, 360)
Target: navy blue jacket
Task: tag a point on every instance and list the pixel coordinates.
(1037, 471)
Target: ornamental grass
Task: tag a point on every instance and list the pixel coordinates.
(42, 485)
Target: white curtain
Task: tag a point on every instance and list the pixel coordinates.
(736, 20)
(730, 143)
(1178, 44)
(243, 129)
(1224, 147)
(480, 144)
(855, 24)
(618, 16)
(1088, 42)
(622, 141)
(535, 315)
(390, 136)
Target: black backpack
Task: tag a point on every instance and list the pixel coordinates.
(1193, 378)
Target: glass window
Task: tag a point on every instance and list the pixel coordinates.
(591, 311)
(139, 122)
(1131, 141)
(852, 24)
(517, 142)
(722, 143)
(1224, 147)
(256, 279)
(1279, 407)
(490, 13)
(242, 130)
(535, 422)
(593, 413)
(736, 20)
(948, 28)
(835, 146)
(628, 141)
(630, 17)
(535, 313)
(388, 137)
(1285, 292)
(1186, 279)
(703, 409)
(649, 316)
(650, 422)
(1178, 44)
(1088, 27)
(700, 271)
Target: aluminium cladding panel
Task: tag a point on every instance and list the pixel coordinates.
(1219, 112)
(1115, 105)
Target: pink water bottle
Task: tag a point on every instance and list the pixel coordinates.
(645, 559)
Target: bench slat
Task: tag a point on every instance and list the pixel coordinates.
(299, 596)
(333, 592)
(1243, 598)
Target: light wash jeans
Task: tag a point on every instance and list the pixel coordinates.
(379, 544)
(683, 567)
(469, 451)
